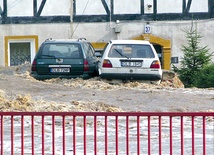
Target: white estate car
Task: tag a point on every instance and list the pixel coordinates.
(130, 60)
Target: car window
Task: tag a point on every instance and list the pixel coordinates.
(89, 51)
(131, 51)
(66, 50)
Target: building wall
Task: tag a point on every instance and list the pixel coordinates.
(96, 20)
(103, 32)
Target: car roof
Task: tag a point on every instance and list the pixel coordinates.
(129, 42)
(50, 40)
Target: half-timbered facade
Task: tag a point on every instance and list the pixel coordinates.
(24, 24)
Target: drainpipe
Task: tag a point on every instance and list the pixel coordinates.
(70, 34)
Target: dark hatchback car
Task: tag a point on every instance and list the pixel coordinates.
(65, 59)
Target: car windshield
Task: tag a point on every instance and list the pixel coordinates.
(131, 51)
(64, 50)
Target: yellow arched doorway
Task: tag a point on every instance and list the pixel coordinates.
(165, 44)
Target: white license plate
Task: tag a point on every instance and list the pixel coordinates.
(131, 64)
(60, 70)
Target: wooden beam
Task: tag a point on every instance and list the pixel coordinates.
(106, 7)
(41, 8)
(34, 7)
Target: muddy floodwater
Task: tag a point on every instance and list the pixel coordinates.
(20, 92)
(24, 93)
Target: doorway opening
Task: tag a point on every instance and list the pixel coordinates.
(158, 49)
(19, 53)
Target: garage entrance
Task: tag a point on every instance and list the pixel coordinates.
(162, 46)
(159, 51)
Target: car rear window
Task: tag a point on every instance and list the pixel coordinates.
(131, 51)
(63, 50)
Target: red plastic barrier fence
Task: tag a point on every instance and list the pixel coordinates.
(99, 133)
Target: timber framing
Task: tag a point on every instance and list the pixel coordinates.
(37, 18)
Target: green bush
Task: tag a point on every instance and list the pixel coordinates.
(186, 76)
(205, 77)
(194, 62)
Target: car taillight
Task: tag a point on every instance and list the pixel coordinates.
(155, 64)
(33, 67)
(86, 65)
(107, 64)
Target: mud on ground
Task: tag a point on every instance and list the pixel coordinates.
(20, 92)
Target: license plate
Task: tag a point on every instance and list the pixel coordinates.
(60, 70)
(131, 64)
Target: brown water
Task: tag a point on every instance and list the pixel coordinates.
(27, 94)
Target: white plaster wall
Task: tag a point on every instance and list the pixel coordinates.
(103, 32)
(199, 6)
(95, 7)
(165, 6)
(90, 7)
(42, 30)
(128, 7)
(60, 7)
(20, 8)
(175, 6)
